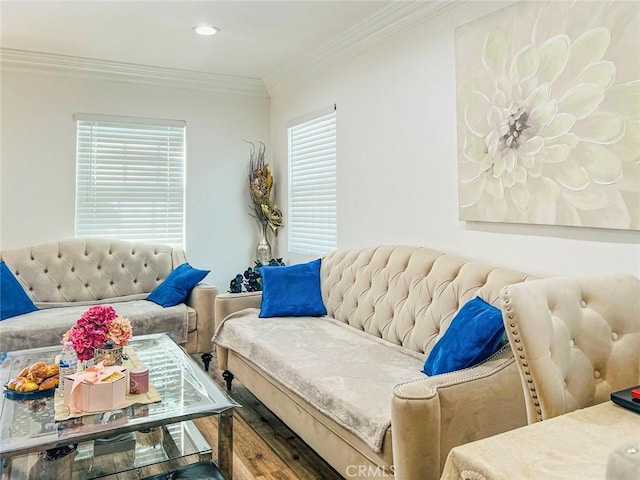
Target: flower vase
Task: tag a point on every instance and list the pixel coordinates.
(263, 249)
(110, 356)
(86, 364)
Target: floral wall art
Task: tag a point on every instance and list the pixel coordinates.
(548, 114)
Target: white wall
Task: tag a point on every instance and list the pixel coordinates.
(397, 168)
(37, 169)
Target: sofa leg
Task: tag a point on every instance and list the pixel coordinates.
(206, 359)
(228, 377)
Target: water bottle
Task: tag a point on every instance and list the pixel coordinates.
(68, 364)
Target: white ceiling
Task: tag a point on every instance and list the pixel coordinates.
(257, 38)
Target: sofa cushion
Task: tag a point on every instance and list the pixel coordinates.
(347, 389)
(177, 286)
(406, 295)
(292, 291)
(46, 327)
(13, 299)
(473, 336)
(91, 269)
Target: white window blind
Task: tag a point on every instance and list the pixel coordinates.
(312, 222)
(130, 179)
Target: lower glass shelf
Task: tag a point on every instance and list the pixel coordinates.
(142, 453)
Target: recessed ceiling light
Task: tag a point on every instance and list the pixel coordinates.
(205, 30)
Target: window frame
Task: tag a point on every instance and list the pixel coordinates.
(312, 157)
(130, 172)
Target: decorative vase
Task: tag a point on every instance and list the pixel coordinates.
(263, 249)
(88, 363)
(110, 356)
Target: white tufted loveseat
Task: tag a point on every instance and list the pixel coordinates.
(350, 383)
(65, 278)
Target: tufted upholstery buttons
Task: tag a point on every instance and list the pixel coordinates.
(18, 273)
(122, 265)
(572, 332)
(111, 282)
(145, 265)
(81, 270)
(135, 280)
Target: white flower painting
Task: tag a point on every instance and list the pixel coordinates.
(548, 102)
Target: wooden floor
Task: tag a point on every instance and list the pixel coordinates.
(263, 447)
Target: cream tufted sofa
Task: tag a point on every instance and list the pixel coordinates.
(576, 340)
(331, 378)
(65, 278)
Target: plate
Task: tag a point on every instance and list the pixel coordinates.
(35, 395)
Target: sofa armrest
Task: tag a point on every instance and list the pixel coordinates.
(432, 415)
(226, 304)
(202, 299)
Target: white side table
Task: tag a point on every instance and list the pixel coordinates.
(567, 447)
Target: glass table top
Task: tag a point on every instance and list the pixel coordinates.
(187, 392)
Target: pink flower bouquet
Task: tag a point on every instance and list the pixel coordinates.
(94, 328)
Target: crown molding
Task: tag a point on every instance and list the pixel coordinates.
(383, 25)
(51, 63)
(378, 28)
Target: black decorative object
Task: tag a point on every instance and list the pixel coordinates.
(206, 359)
(228, 378)
(236, 284)
(251, 281)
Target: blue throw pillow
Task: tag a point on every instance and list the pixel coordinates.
(474, 335)
(175, 289)
(292, 291)
(13, 299)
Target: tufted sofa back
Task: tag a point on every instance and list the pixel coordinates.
(90, 270)
(576, 340)
(406, 295)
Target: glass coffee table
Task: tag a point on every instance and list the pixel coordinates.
(130, 438)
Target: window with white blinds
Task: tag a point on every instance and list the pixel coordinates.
(312, 212)
(130, 179)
